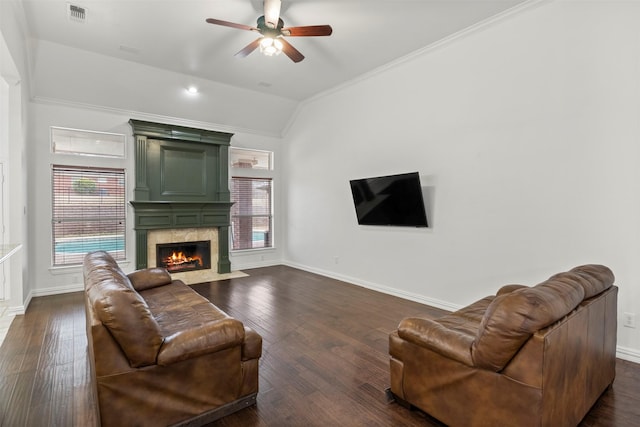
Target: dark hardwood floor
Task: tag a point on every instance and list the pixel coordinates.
(324, 363)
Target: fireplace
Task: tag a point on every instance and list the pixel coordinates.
(181, 184)
(184, 256)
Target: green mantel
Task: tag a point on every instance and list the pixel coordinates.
(179, 133)
(182, 181)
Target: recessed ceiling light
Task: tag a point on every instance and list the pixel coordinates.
(192, 90)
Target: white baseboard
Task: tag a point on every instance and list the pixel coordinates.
(629, 354)
(235, 265)
(443, 305)
(78, 287)
(16, 310)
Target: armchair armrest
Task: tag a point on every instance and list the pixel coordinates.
(148, 278)
(432, 335)
(252, 344)
(201, 339)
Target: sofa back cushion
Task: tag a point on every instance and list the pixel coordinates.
(122, 310)
(513, 317)
(593, 278)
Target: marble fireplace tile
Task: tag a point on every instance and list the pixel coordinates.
(160, 236)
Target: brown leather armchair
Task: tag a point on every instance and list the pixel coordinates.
(160, 353)
(528, 356)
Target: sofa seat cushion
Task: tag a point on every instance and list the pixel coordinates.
(451, 334)
(467, 319)
(177, 306)
(191, 325)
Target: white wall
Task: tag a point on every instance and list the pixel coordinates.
(525, 133)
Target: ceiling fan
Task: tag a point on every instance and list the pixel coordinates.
(273, 31)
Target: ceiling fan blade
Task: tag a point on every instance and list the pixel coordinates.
(231, 24)
(308, 31)
(271, 13)
(293, 53)
(249, 48)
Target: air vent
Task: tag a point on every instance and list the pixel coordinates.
(76, 13)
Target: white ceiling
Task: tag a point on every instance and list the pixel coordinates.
(173, 35)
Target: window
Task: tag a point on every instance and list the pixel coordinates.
(88, 213)
(252, 194)
(75, 141)
(251, 159)
(251, 218)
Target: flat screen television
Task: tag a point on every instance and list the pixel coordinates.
(390, 200)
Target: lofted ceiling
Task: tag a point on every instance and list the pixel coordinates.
(173, 35)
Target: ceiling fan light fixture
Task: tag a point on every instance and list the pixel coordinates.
(273, 33)
(271, 46)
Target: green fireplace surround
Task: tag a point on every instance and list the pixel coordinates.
(181, 182)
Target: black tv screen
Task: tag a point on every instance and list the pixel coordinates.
(390, 200)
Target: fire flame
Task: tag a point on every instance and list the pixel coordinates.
(179, 258)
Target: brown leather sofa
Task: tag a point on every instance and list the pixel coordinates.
(160, 353)
(529, 356)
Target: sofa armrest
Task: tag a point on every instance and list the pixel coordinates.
(438, 338)
(201, 339)
(252, 344)
(148, 278)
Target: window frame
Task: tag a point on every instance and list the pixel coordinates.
(251, 173)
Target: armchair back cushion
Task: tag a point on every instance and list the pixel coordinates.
(512, 318)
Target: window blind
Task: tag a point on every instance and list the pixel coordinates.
(88, 213)
(251, 213)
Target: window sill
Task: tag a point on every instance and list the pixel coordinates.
(251, 251)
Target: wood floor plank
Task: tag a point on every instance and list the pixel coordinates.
(325, 357)
(20, 403)
(7, 385)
